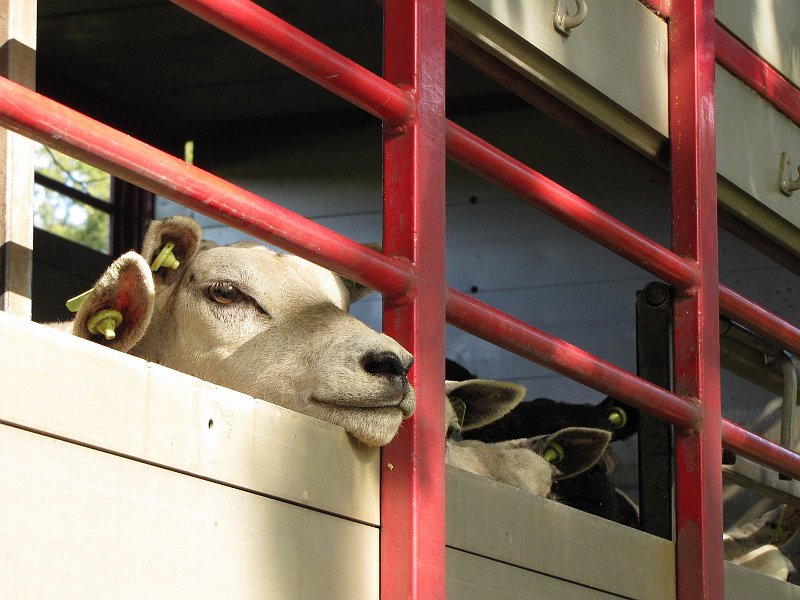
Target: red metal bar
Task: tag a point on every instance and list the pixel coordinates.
(290, 46)
(757, 449)
(546, 195)
(757, 73)
(745, 64)
(525, 340)
(276, 38)
(265, 32)
(490, 324)
(759, 320)
(66, 130)
(699, 559)
(413, 491)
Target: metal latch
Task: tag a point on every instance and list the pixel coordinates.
(785, 181)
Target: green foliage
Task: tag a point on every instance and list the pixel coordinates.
(64, 216)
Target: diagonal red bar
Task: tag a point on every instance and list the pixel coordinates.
(525, 340)
(478, 155)
(257, 27)
(757, 73)
(68, 131)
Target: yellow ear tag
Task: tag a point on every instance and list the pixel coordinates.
(554, 453)
(617, 417)
(74, 304)
(104, 323)
(165, 258)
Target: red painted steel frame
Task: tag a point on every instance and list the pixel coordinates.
(320, 64)
(64, 129)
(413, 281)
(748, 66)
(758, 74)
(413, 491)
(699, 557)
(28, 113)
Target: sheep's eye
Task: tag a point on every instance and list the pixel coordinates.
(224, 292)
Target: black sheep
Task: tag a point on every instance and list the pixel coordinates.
(592, 491)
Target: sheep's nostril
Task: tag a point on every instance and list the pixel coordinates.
(387, 364)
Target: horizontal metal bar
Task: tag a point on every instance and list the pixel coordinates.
(747, 474)
(546, 195)
(525, 340)
(251, 24)
(749, 364)
(59, 127)
(759, 450)
(759, 320)
(757, 73)
(478, 155)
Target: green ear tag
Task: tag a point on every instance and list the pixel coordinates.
(554, 453)
(74, 304)
(617, 417)
(105, 323)
(165, 258)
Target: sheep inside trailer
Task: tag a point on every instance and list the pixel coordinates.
(126, 479)
(686, 277)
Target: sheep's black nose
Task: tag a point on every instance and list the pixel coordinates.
(387, 364)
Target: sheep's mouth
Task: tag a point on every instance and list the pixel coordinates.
(393, 404)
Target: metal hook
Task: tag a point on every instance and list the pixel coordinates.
(563, 22)
(784, 181)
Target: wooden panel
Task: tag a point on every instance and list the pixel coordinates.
(471, 577)
(750, 138)
(505, 524)
(18, 63)
(617, 54)
(771, 28)
(87, 524)
(744, 584)
(128, 406)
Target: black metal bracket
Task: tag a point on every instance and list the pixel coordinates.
(654, 325)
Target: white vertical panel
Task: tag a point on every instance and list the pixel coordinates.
(18, 63)
(83, 524)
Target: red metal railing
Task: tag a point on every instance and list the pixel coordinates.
(410, 103)
(413, 492)
(698, 451)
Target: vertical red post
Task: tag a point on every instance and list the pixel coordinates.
(694, 236)
(412, 483)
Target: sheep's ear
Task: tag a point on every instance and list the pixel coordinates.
(125, 295)
(184, 235)
(357, 290)
(572, 450)
(775, 527)
(484, 400)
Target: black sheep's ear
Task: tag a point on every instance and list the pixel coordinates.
(623, 418)
(485, 400)
(572, 450)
